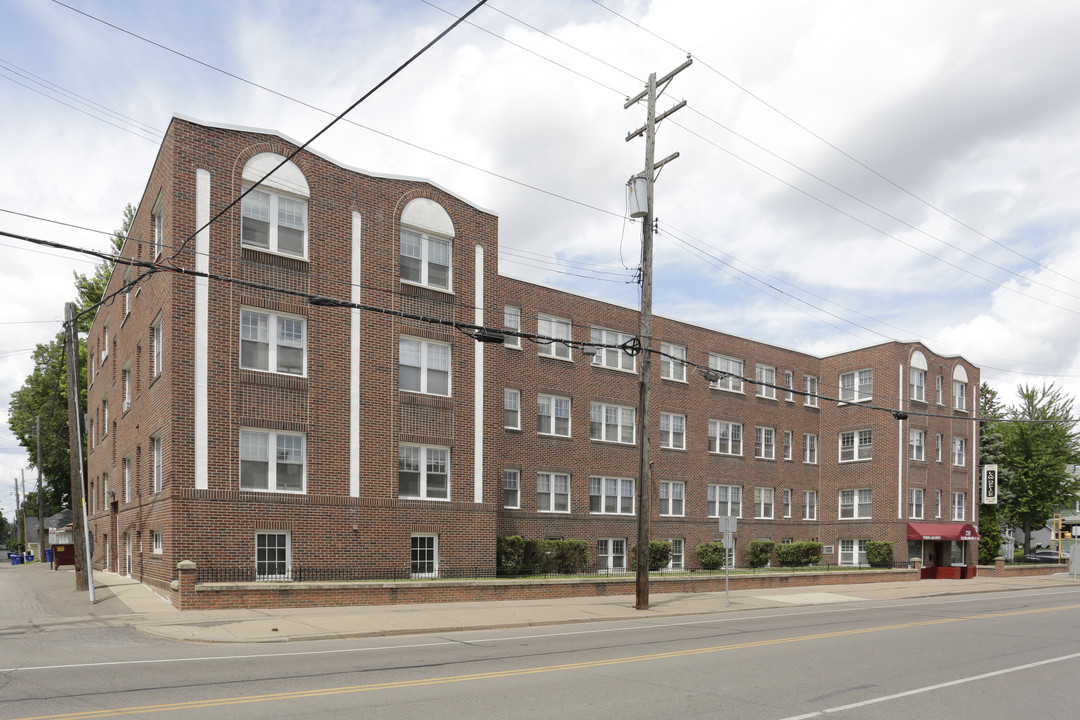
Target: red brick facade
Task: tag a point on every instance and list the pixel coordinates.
(358, 518)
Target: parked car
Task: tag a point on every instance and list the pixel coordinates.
(1047, 556)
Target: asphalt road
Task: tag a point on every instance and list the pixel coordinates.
(1007, 655)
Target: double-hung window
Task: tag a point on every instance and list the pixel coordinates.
(810, 385)
(155, 346)
(672, 362)
(611, 423)
(155, 451)
(958, 505)
(810, 448)
(552, 492)
(857, 386)
(158, 544)
(125, 376)
(672, 431)
(938, 448)
(789, 383)
(765, 377)
(940, 390)
(918, 384)
(856, 445)
(424, 366)
(423, 472)
(764, 443)
(787, 503)
(809, 511)
(512, 409)
(272, 342)
(855, 504)
(959, 393)
(127, 480)
(959, 451)
(678, 552)
(274, 222)
(672, 498)
(788, 442)
(917, 443)
(853, 552)
(916, 496)
(512, 321)
(763, 503)
(725, 500)
(611, 357)
(158, 221)
(725, 437)
(282, 473)
(551, 330)
(511, 488)
(611, 496)
(730, 369)
(425, 259)
(553, 415)
(611, 554)
(272, 556)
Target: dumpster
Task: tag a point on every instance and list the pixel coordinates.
(63, 555)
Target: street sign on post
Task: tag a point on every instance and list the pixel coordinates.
(728, 525)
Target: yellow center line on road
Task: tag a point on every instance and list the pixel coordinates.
(301, 694)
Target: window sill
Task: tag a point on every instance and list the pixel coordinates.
(624, 371)
(616, 443)
(681, 381)
(555, 357)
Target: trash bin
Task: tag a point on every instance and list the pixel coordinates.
(48, 555)
(29, 557)
(15, 559)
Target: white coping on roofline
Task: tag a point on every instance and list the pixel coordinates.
(286, 138)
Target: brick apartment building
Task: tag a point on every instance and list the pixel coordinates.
(235, 423)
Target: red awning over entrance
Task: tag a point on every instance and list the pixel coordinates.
(941, 531)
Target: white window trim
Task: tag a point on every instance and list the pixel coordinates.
(858, 501)
(612, 358)
(916, 503)
(426, 240)
(787, 498)
(557, 328)
(156, 461)
(959, 451)
(714, 428)
(512, 403)
(272, 461)
(672, 362)
(273, 340)
(765, 381)
(810, 504)
(287, 561)
(621, 484)
(856, 554)
(272, 244)
(157, 227)
(856, 393)
(764, 509)
(764, 443)
(730, 503)
(731, 370)
(917, 384)
(158, 542)
(959, 506)
(434, 573)
(621, 412)
(551, 492)
(810, 449)
(425, 367)
(917, 450)
(857, 445)
(789, 442)
(424, 460)
(604, 559)
(553, 402)
(514, 477)
(157, 349)
(810, 385)
(512, 321)
(672, 492)
(668, 436)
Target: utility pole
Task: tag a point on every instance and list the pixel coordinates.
(18, 527)
(40, 494)
(25, 520)
(645, 330)
(78, 502)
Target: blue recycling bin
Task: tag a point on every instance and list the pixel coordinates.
(15, 559)
(48, 555)
(29, 557)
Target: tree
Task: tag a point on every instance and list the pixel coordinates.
(44, 392)
(991, 452)
(1039, 443)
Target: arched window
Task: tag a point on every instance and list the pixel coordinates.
(959, 388)
(918, 376)
(275, 213)
(427, 236)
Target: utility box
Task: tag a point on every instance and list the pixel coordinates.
(63, 555)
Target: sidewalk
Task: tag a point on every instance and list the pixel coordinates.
(135, 605)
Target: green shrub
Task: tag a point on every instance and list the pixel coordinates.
(879, 553)
(659, 555)
(710, 555)
(509, 553)
(566, 557)
(759, 552)
(798, 554)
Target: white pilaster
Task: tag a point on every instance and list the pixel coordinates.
(478, 383)
(354, 365)
(202, 331)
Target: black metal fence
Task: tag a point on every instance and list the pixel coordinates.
(340, 573)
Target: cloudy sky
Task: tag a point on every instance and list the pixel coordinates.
(850, 172)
